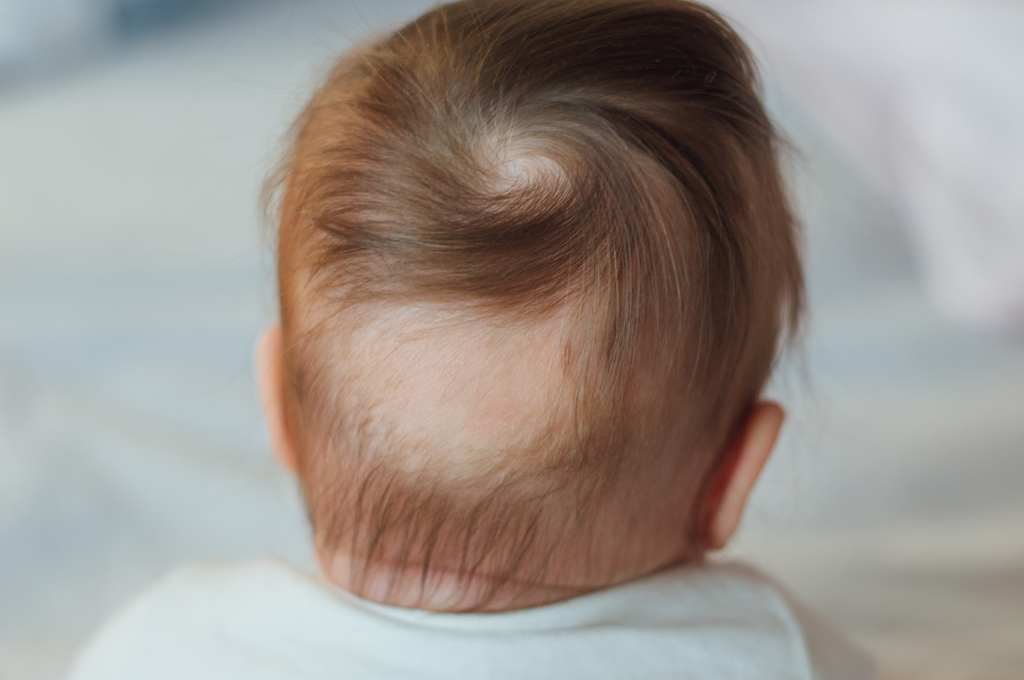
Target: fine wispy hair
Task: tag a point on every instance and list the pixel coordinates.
(506, 162)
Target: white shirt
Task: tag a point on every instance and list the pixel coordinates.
(265, 621)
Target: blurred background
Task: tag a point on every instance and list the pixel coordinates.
(136, 273)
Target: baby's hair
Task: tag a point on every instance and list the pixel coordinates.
(607, 163)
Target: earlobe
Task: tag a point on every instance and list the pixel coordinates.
(738, 472)
(270, 376)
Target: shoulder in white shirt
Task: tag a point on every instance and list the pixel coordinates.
(265, 621)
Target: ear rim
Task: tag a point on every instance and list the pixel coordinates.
(736, 474)
(269, 366)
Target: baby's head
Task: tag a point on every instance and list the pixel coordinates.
(535, 261)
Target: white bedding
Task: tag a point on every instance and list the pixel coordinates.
(135, 275)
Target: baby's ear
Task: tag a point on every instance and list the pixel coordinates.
(270, 376)
(737, 472)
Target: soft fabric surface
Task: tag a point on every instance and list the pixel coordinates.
(261, 620)
(135, 275)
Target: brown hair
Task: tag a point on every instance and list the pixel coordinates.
(513, 159)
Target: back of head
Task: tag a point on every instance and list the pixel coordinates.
(535, 260)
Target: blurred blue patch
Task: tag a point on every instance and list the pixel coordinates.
(135, 17)
(44, 38)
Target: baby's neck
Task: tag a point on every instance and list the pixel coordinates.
(441, 590)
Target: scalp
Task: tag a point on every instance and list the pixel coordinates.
(535, 261)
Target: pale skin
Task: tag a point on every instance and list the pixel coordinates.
(724, 503)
